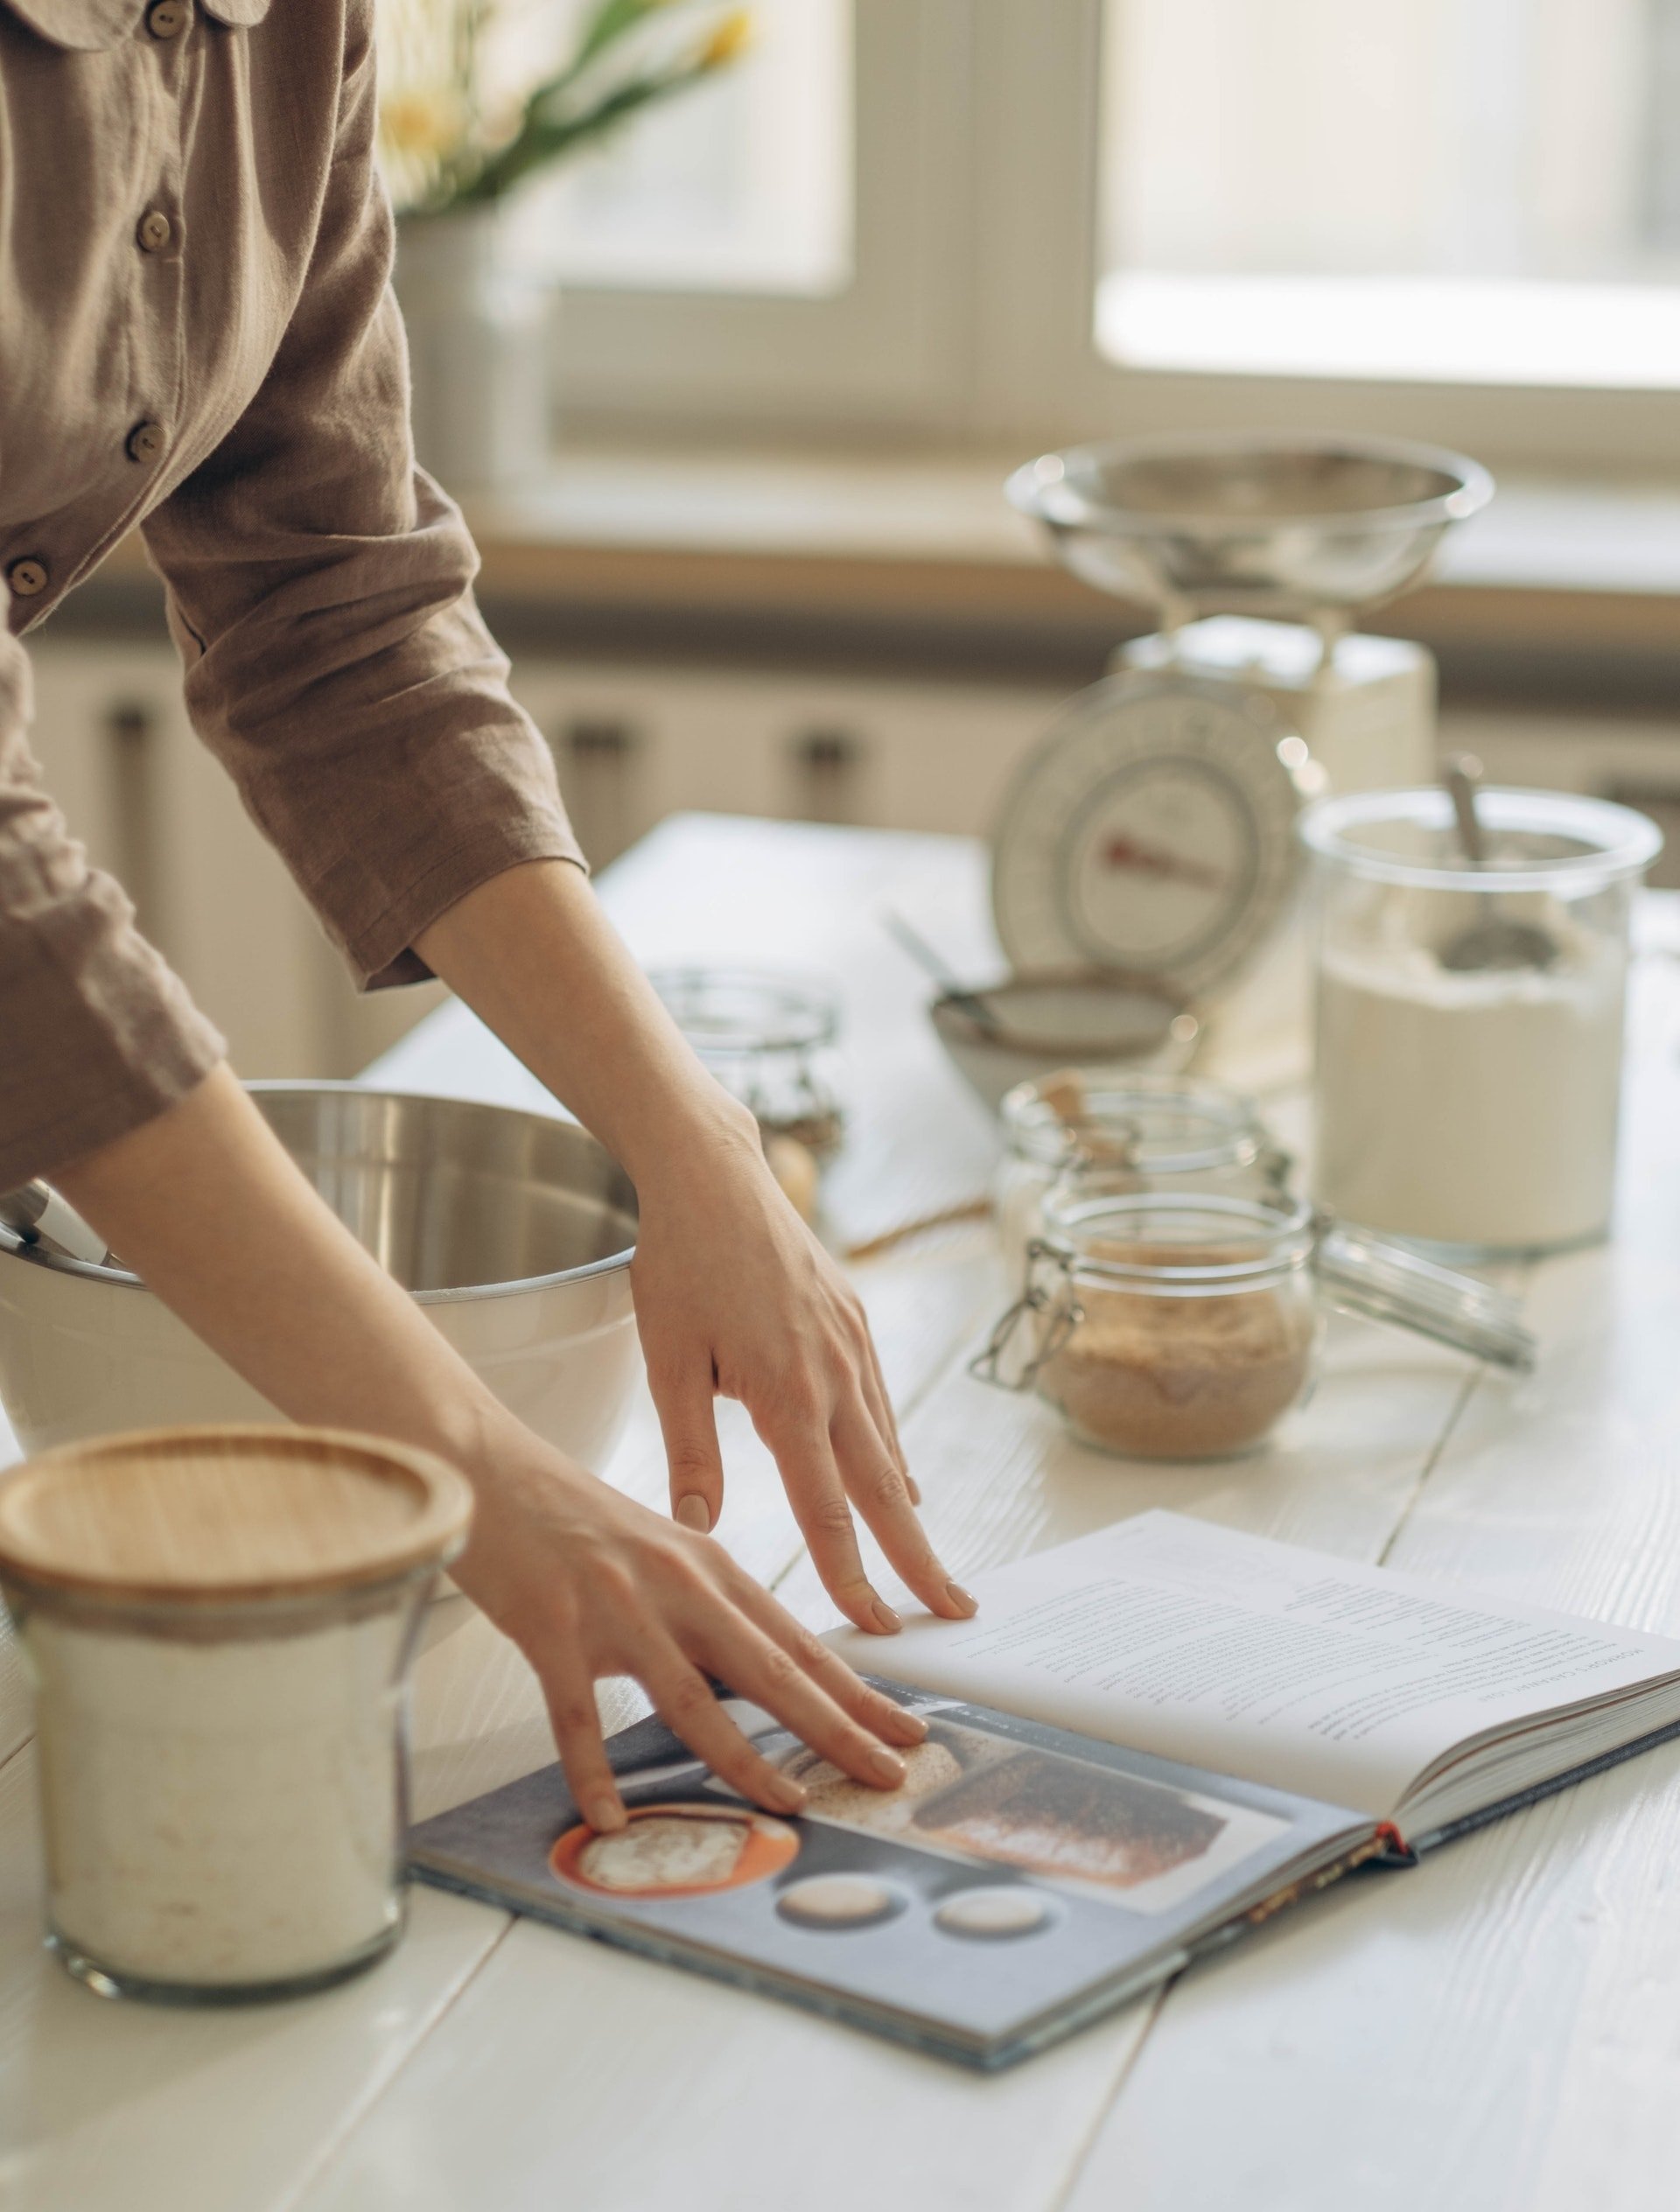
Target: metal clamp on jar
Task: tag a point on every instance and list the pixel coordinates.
(1179, 1326)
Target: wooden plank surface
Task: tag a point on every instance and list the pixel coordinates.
(1498, 2028)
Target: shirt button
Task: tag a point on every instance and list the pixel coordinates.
(145, 441)
(167, 19)
(154, 231)
(27, 578)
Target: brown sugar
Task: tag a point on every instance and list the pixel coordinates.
(1182, 1377)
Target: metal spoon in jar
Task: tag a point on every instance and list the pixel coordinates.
(1493, 940)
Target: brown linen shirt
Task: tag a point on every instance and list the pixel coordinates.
(197, 333)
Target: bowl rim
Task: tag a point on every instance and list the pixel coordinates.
(946, 1007)
(123, 1278)
(1057, 500)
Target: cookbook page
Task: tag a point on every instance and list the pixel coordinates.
(1288, 1667)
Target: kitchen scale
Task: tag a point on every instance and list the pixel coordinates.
(1153, 829)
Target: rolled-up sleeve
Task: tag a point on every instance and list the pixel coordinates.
(320, 593)
(99, 1034)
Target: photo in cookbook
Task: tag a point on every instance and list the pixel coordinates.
(1021, 1881)
(970, 1794)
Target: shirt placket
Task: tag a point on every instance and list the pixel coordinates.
(163, 58)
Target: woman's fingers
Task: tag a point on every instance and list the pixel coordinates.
(684, 1701)
(684, 1397)
(759, 1668)
(570, 1689)
(876, 1487)
(880, 1407)
(877, 1713)
(811, 1477)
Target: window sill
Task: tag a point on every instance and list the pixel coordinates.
(1564, 590)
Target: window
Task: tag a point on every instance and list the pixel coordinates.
(744, 186)
(1016, 223)
(1458, 190)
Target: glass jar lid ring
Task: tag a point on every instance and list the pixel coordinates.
(1075, 1213)
(1613, 841)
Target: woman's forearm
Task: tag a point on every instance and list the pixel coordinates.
(204, 1203)
(531, 952)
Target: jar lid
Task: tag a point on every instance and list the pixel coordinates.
(1157, 1124)
(1386, 1282)
(209, 1515)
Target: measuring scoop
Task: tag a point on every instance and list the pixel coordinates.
(1493, 940)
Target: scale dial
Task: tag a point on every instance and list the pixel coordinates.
(1153, 829)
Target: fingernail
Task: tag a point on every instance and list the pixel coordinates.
(886, 1766)
(913, 1488)
(605, 1815)
(959, 1596)
(786, 1797)
(908, 1728)
(886, 1620)
(694, 1513)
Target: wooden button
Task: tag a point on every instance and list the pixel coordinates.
(168, 18)
(154, 231)
(145, 441)
(27, 578)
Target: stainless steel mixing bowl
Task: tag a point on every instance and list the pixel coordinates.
(1296, 527)
(515, 1233)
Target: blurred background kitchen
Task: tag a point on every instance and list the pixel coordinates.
(730, 392)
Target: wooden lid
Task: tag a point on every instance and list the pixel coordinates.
(209, 1515)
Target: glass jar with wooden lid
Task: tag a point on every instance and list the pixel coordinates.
(219, 1623)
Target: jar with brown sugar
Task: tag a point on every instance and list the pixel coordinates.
(1181, 1326)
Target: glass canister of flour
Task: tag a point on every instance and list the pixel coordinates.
(219, 1623)
(1184, 1325)
(1158, 1132)
(1470, 1017)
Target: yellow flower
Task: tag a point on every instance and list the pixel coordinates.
(732, 38)
(421, 124)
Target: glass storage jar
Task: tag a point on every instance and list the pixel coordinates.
(1468, 1065)
(768, 1038)
(218, 1623)
(1162, 1132)
(1184, 1326)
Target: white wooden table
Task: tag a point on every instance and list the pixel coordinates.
(1499, 2029)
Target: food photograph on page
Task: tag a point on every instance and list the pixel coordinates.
(1019, 1882)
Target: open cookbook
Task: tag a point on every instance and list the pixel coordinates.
(1144, 1743)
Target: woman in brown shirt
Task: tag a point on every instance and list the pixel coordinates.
(197, 335)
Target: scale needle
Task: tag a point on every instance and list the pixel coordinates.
(1149, 860)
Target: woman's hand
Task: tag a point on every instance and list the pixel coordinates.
(588, 1584)
(224, 1229)
(735, 1297)
(733, 1293)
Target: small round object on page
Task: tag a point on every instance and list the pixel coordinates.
(840, 1901)
(1154, 830)
(994, 1915)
